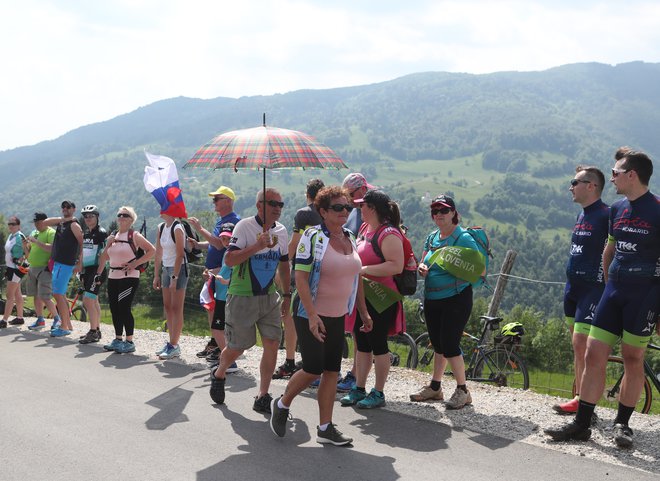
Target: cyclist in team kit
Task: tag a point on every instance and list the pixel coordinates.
(585, 279)
(93, 243)
(630, 303)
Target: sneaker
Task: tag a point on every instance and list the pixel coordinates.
(427, 394)
(217, 389)
(347, 383)
(459, 399)
(213, 355)
(284, 371)
(3, 324)
(207, 350)
(56, 324)
(17, 321)
(36, 325)
(373, 400)
(92, 335)
(262, 404)
(569, 432)
(569, 407)
(125, 348)
(332, 436)
(114, 345)
(231, 369)
(354, 396)
(162, 349)
(278, 418)
(58, 332)
(623, 435)
(170, 352)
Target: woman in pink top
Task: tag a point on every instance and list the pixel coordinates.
(328, 283)
(382, 219)
(123, 279)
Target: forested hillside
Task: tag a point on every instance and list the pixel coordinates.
(504, 144)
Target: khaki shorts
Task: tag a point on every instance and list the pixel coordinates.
(39, 283)
(245, 313)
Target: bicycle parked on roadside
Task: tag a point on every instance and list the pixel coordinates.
(496, 362)
(614, 377)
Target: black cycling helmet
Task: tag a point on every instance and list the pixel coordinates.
(90, 209)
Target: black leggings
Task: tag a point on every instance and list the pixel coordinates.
(218, 322)
(120, 298)
(321, 356)
(446, 319)
(375, 340)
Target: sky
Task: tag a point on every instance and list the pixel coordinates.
(69, 63)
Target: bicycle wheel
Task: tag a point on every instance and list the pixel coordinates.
(502, 366)
(613, 380)
(79, 313)
(403, 351)
(425, 352)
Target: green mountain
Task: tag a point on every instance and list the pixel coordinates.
(505, 144)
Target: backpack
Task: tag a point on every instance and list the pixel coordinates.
(138, 252)
(483, 245)
(192, 254)
(406, 280)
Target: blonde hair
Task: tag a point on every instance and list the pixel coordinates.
(131, 212)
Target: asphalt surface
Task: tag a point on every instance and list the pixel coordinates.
(74, 412)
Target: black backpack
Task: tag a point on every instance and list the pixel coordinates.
(192, 254)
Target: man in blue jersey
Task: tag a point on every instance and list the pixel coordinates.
(223, 202)
(584, 273)
(630, 304)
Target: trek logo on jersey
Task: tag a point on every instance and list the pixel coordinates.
(635, 225)
(576, 250)
(623, 246)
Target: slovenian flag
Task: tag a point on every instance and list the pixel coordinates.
(162, 181)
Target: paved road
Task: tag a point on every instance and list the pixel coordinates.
(73, 412)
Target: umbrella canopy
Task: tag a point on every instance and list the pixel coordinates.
(265, 148)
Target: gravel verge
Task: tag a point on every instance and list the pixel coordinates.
(511, 414)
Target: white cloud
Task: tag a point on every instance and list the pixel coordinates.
(70, 63)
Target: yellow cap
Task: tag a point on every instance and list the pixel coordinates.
(223, 190)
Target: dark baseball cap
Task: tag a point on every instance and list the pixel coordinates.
(444, 200)
(68, 204)
(374, 197)
(39, 216)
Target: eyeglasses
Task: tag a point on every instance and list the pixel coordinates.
(273, 203)
(11, 223)
(575, 182)
(218, 199)
(616, 172)
(90, 216)
(441, 210)
(122, 215)
(341, 207)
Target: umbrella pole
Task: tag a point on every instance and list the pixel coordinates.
(264, 202)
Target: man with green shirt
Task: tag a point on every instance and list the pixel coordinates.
(256, 253)
(39, 277)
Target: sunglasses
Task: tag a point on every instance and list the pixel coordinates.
(616, 172)
(352, 194)
(341, 207)
(218, 199)
(441, 210)
(89, 216)
(67, 207)
(121, 215)
(274, 203)
(575, 182)
(11, 223)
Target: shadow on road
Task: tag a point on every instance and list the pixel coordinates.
(170, 405)
(264, 452)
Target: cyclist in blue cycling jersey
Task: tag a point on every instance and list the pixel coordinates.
(93, 244)
(630, 303)
(584, 273)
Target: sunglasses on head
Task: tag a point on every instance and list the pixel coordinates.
(123, 215)
(616, 172)
(274, 203)
(341, 207)
(575, 182)
(441, 210)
